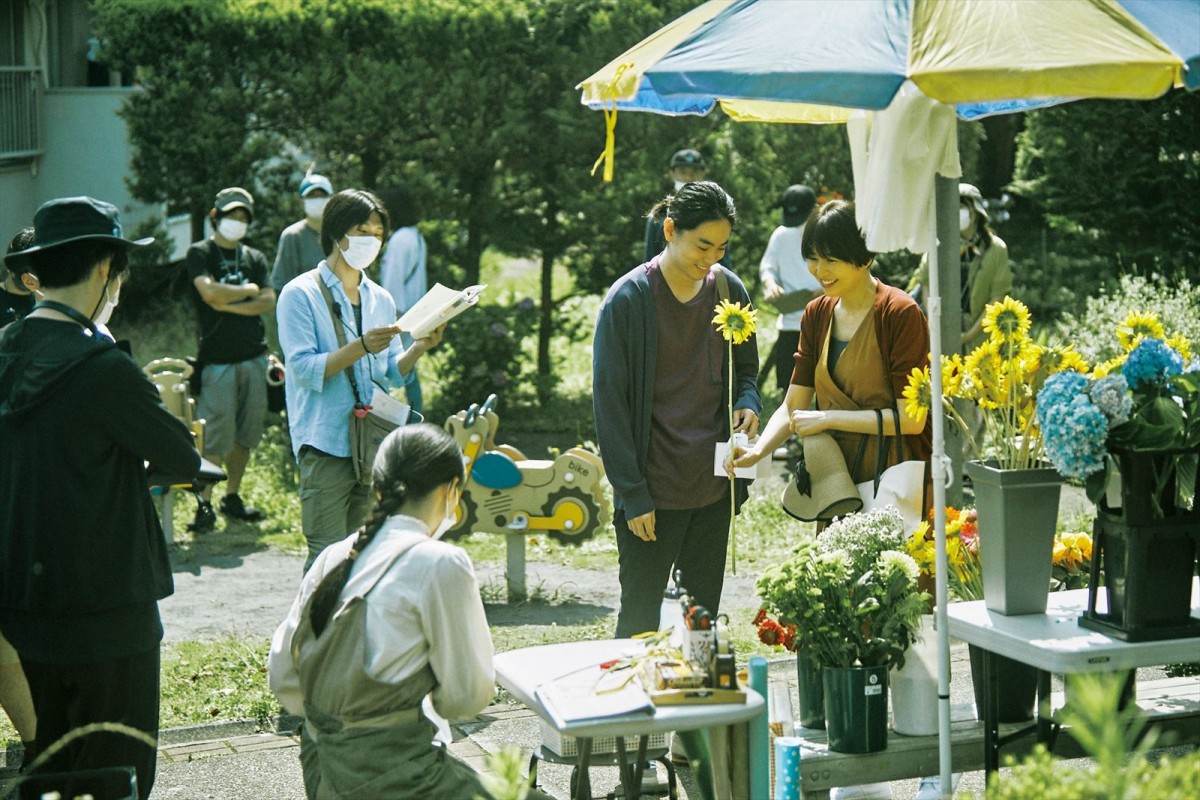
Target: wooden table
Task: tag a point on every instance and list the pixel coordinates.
(522, 671)
(1053, 642)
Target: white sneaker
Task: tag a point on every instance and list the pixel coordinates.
(930, 788)
(865, 791)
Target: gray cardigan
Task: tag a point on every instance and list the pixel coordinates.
(623, 367)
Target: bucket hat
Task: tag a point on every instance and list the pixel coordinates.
(74, 219)
(830, 492)
(968, 193)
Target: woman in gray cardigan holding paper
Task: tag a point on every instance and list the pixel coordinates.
(659, 386)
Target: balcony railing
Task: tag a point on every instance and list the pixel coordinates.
(20, 113)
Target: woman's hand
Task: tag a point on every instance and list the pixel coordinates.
(805, 422)
(643, 527)
(741, 456)
(745, 421)
(376, 340)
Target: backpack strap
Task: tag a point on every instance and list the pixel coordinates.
(722, 283)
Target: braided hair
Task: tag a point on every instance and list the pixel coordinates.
(413, 460)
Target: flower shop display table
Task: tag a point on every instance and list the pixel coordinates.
(1054, 642)
(522, 672)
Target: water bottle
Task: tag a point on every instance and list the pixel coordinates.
(670, 615)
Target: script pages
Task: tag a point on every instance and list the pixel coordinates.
(594, 694)
(439, 305)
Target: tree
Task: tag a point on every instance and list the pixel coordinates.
(1120, 177)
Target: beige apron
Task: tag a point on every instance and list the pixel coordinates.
(859, 382)
(363, 738)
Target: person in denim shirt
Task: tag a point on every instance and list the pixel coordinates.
(320, 396)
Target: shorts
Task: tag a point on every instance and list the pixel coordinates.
(233, 404)
(8, 655)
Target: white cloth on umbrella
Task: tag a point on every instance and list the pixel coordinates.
(895, 153)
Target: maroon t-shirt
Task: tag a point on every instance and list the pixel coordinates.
(688, 417)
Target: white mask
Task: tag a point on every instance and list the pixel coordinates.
(679, 185)
(111, 299)
(314, 207)
(232, 229)
(449, 520)
(361, 251)
(964, 220)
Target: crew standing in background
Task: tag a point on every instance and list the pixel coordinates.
(300, 243)
(231, 297)
(402, 269)
(787, 281)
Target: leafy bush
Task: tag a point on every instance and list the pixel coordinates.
(483, 353)
(1092, 332)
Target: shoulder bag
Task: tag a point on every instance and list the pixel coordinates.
(367, 428)
(901, 485)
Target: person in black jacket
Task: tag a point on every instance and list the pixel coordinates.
(82, 554)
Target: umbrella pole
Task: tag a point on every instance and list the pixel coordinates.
(941, 475)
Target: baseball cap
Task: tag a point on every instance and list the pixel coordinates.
(967, 193)
(73, 219)
(233, 197)
(687, 158)
(797, 202)
(311, 182)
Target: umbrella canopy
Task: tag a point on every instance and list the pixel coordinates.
(979, 55)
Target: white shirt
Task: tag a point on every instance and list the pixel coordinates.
(425, 610)
(402, 270)
(785, 265)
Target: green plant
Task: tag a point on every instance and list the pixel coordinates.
(1113, 739)
(502, 776)
(848, 610)
(483, 353)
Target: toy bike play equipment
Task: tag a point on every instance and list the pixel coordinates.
(505, 492)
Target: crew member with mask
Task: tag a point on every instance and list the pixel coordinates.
(328, 381)
(82, 554)
(231, 296)
(300, 243)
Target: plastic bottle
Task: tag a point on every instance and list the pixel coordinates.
(670, 615)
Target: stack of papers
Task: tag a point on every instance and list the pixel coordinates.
(594, 694)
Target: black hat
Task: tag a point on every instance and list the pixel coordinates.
(797, 203)
(687, 158)
(73, 219)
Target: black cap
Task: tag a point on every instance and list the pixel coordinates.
(797, 203)
(687, 158)
(73, 219)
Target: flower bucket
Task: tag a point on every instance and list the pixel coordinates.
(1147, 571)
(1018, 511)
(914, 686)
(856, 708)
(1018, 687)
(811, 691)
(1149, 485)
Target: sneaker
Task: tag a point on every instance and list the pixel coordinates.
(232, 506)
(205, 519)
(865, 791)
(930, 788)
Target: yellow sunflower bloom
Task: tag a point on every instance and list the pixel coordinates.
(1102, 370)
(918, 394)
(1007, 319)
(1182, 345)
(1138, 326)
(952, 375)
(735, 323)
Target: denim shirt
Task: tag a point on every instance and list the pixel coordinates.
(319, 408)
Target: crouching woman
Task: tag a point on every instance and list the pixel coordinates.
(384, 618)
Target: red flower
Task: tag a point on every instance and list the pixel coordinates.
(770, 632)
(759, 617)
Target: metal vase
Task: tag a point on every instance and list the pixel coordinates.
(1018, 512)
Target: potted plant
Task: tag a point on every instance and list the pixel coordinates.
(1136, 418)
(1016, 492)
(852, 600)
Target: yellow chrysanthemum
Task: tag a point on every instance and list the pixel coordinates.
(918, 394)
(735, 323)
(1138, 326)
(1007, 319)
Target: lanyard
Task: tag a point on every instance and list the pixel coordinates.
(63, 308)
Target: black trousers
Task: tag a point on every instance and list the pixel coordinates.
(691, 540)
(121, 690)
(782, 358)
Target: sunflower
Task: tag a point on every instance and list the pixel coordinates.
(918, 394)
(735, 323)
(1138, 326)
(1182, 345)
(1102, 370)
(1007, 319)
(952, 374)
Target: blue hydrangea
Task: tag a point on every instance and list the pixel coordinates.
(1111, 396)
(1074, 433)
(1150, 362)
(1060, 389)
